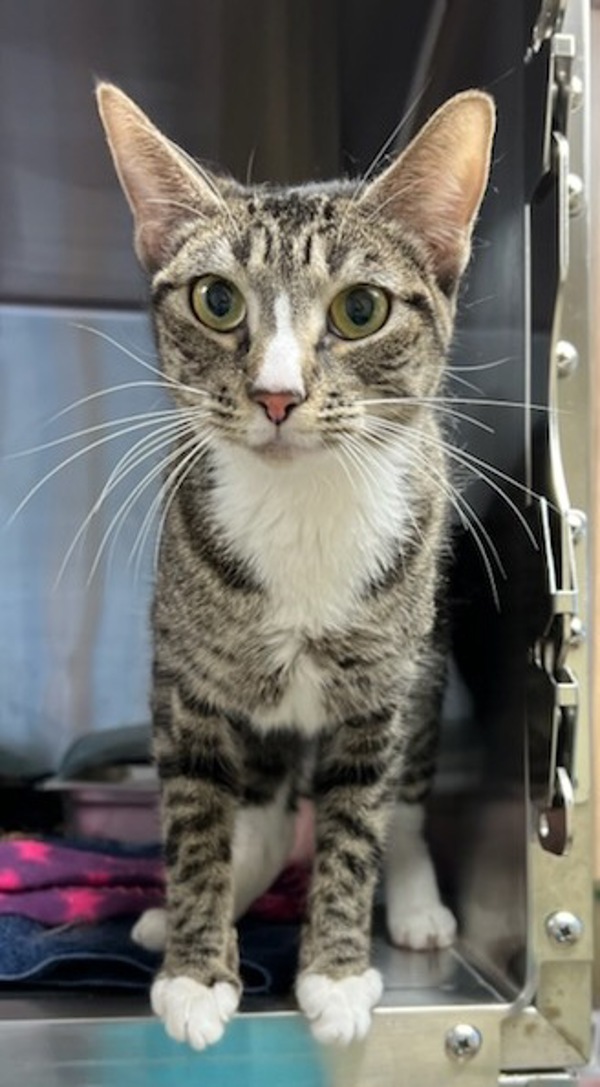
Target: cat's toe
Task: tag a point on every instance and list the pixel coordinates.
(192, 1012)
(339, 1010)
(150, 930)
(424, 929)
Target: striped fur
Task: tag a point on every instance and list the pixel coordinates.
(300, 565)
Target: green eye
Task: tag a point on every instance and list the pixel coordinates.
(217, 303)
(359, 311)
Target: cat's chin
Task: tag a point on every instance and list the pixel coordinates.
(284, 451)
(274, 451)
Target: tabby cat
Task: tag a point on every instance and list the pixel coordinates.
(303, 333)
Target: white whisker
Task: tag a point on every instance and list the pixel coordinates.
(443, 406)
(74, 457)
(470, 521)
(127, 505)
(187, 420)
(338, 454)
(250, 166)
(164, 499)
(479, 468)
(481, 366)
(463, 381)
(151, 444)
(355, 461)
(148, 417)
(173, 382)
(364, 449)
(352, 445)
(477, 302)
(435, 400)
(113, 389)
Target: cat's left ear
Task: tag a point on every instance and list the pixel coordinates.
(437, 184)
(164, 188)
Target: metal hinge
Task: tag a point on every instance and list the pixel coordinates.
(556, 691)
(553, 692)
(548, 22)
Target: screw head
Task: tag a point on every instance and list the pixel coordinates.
(567, 358)
(576, 197)
(543, 826)
(463, 1042)
(577, 523)
(564, 927)
(576, 89)
(577, 632)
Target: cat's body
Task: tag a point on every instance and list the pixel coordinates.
(304, 334)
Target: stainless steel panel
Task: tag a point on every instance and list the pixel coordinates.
(259, 1051)
(95, 1040)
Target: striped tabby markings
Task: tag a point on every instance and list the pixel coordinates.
(262, 842)
(316, 510)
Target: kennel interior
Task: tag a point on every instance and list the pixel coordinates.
(290, 91)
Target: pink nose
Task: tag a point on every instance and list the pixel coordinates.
(277, 405)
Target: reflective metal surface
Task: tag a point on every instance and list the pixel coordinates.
(95, 1040)
(295, 91)
(261, 1051)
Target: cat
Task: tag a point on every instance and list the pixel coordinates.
(303, 334)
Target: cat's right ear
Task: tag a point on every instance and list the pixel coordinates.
(163, 187)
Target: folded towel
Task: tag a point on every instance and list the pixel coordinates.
(64, 905)
(89, 956)
(28, 864)
(56, 883)
(104, 956)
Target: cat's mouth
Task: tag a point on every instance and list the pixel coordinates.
(281, 446)
(283, 442)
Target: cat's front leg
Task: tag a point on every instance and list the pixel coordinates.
(198, 988)
(337, 988)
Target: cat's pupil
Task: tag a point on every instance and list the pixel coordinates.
(219, 298)
(359, 307)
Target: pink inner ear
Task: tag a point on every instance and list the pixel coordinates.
(436, 185)
(161, 187)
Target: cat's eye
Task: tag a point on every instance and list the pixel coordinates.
(359, 311)
(217, 303)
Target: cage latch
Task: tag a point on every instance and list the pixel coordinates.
(553, 694)
(548, 22)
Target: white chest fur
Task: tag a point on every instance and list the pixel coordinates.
(314, 531)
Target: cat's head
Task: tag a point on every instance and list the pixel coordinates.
(302, 313)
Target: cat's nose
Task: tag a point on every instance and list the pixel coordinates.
(277, 406)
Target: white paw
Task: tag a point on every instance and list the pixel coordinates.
(339, 1011)
(150, 930)
(423, 929)
(192, 1012)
